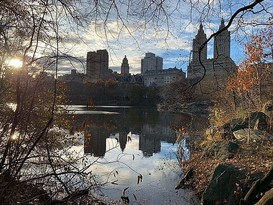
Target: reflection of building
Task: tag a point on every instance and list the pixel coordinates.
(97, 65)
(95, 143)
(151, 137)
(150, 126)
(218, 68)
(149, 144)
(125, 67)
(122, 140)
(162, 77)
(151, 62)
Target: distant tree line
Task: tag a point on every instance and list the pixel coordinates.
(111, 92)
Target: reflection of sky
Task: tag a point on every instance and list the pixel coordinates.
(84, 112)
(83, 109)
(120, 170)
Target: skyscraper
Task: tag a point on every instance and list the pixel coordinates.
(151, 62)
(97, 64)
(218, 68)
(198, 41)
(125, 66)
(222, 43)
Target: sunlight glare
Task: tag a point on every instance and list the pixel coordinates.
(15, 63)
(14, 137)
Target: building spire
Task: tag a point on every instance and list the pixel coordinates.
(222, 25)
(201, 27)
(198, 41)
(222, 42)
(125, 66)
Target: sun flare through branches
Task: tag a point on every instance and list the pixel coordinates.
(15, 63)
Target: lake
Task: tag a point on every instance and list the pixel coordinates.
(133, 151)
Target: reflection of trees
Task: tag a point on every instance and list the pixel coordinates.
(152, 127)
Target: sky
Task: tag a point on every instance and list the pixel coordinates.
(170, 40)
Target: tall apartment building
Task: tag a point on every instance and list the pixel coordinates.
(97, 64)
(218, 68)
(151, 62)
(125, 66)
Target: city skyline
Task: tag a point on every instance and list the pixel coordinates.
(172, 42)
(178, 58)
(170, 38)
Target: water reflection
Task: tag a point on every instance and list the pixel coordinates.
(132, 143)
(151, 127)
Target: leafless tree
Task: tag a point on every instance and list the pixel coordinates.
(32, 31)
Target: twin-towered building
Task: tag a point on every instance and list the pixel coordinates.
(216, 69)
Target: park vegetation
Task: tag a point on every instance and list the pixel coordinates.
(245, 105)
(36, 164)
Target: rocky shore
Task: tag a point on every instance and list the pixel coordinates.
(232, 164)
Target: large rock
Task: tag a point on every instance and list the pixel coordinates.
(235, 124)
(257, 121)
(222, 186)
(254, 135)
(231, 126)
(225, 131)
(221, 150)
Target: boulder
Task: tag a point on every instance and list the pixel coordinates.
(231, 126)
(254, 135)
(235, 124)
(227, 150)
(257, 121)
(223, 185)
(221, 150)
(225, 131)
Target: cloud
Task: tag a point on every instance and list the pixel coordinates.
(169, 38)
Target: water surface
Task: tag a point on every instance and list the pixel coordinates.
(133, 151)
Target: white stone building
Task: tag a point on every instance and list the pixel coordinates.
(162, 77)
(151, 62)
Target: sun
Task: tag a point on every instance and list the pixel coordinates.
(15, 63)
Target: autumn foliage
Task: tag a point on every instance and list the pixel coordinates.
(255, 70)
(244, 80)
